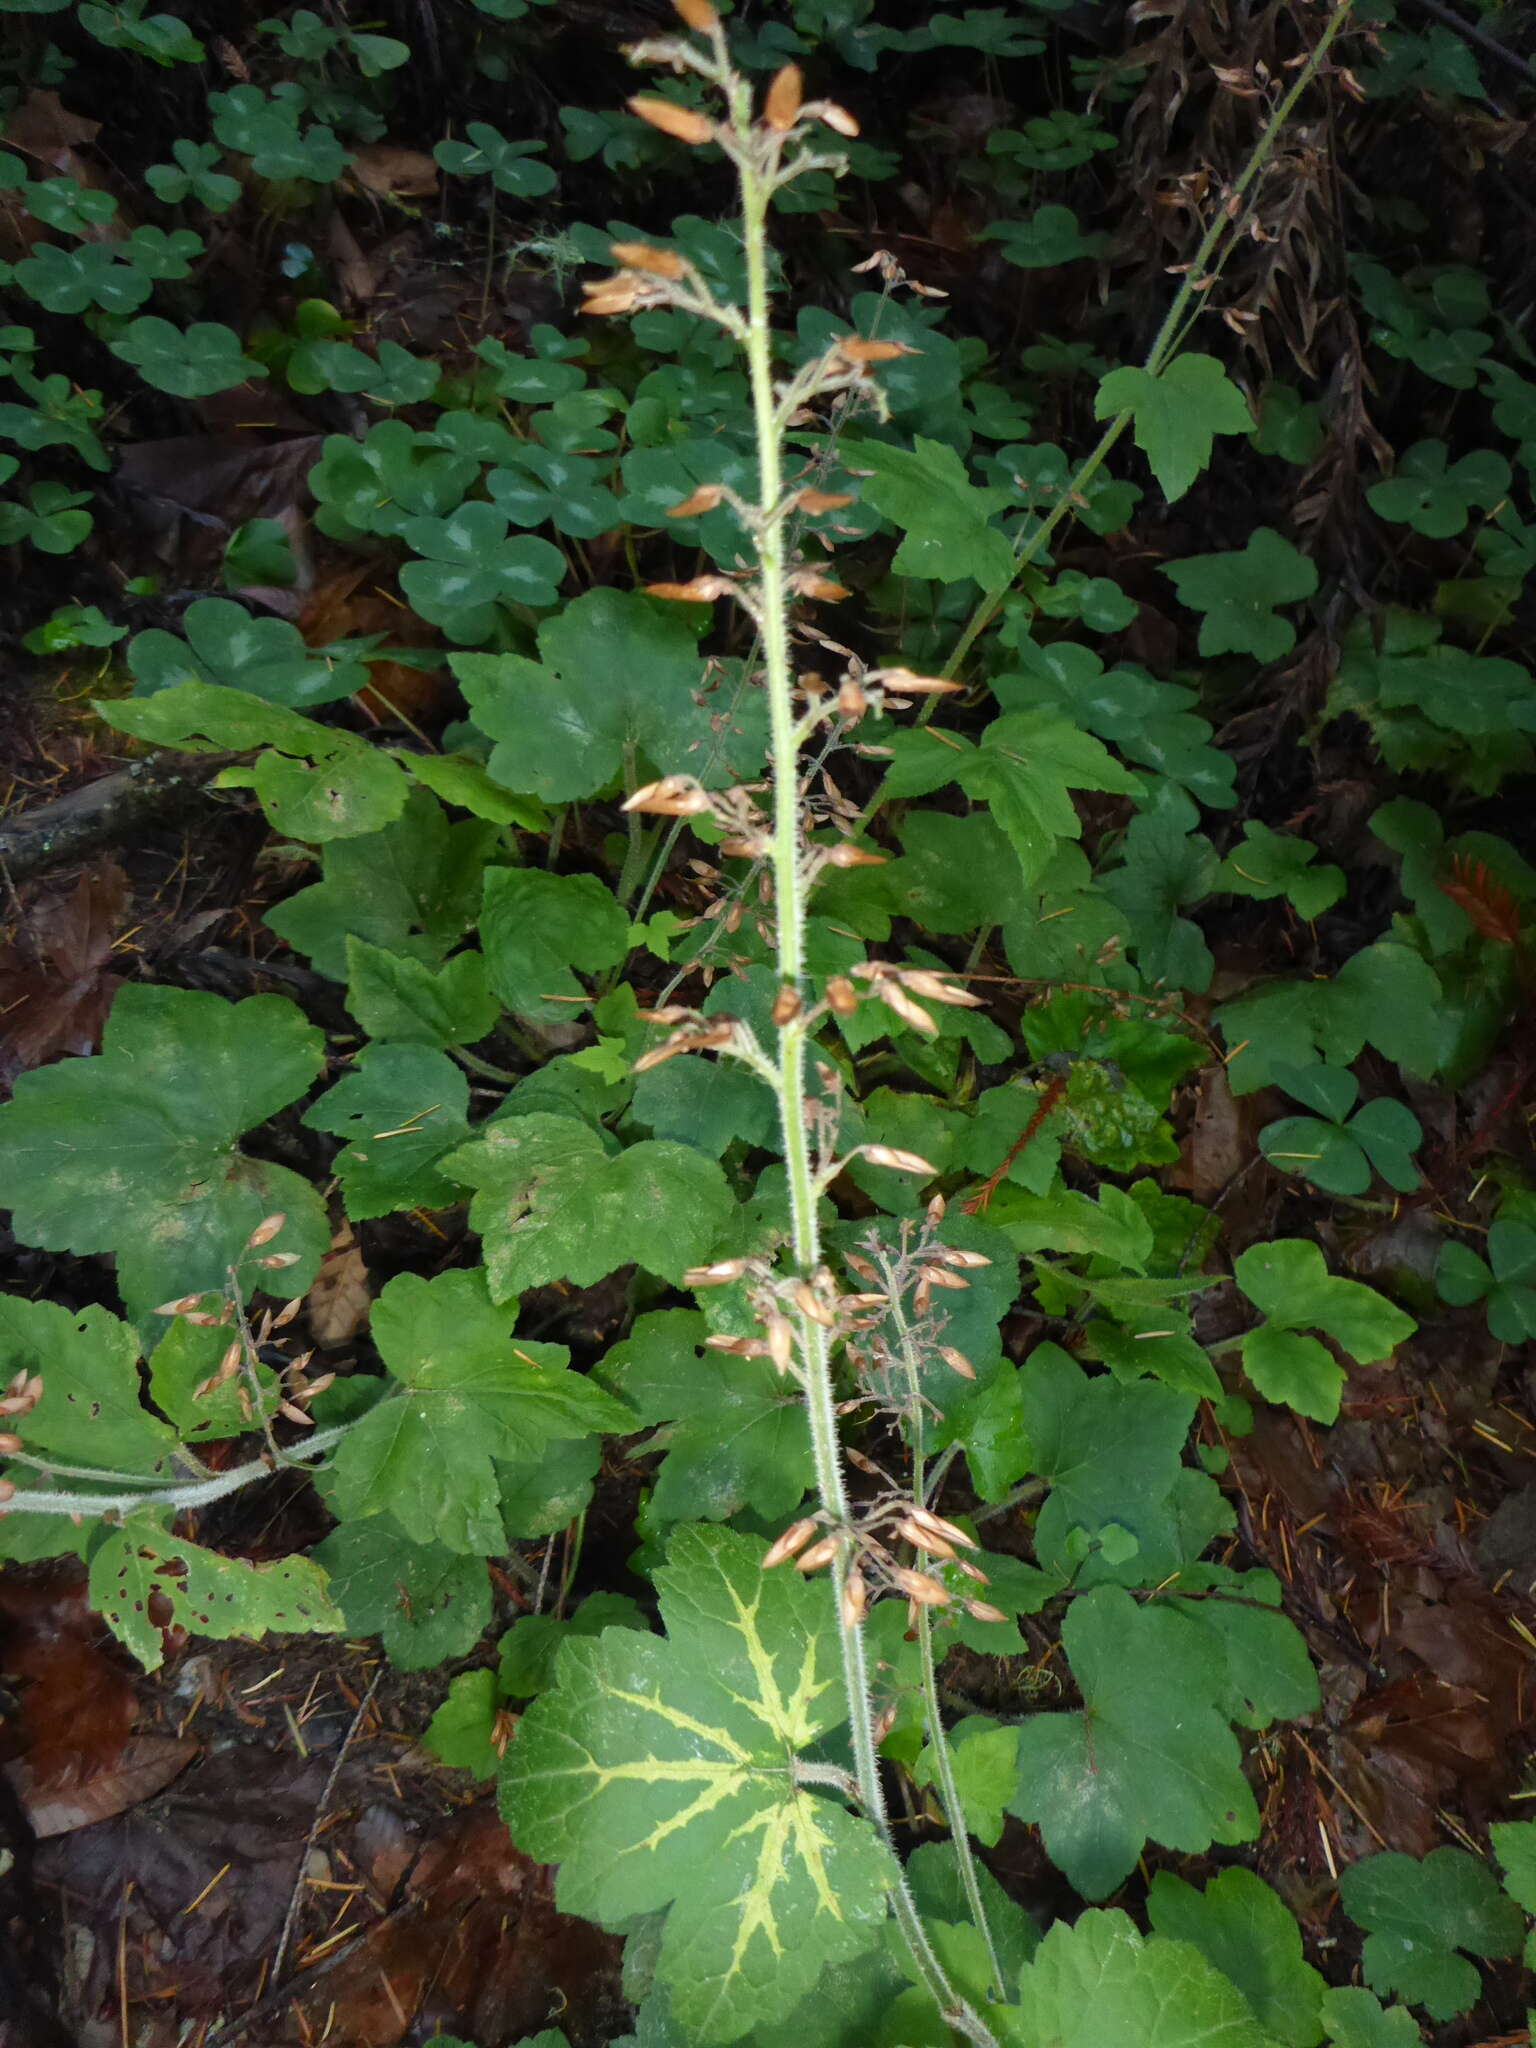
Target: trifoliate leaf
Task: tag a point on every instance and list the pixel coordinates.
(737, 1437)
(551, 1203)
(465, 1394)
(946, 519)
(535, 927)
(134, 1151)
(1097, 1982)
(191, 362)
(1289, 1282)
(1244, 1931)
(659, 1774)
(206, 1594)
(1176, 415)
(225, 644)
(1419, 1916)
(1238, 591)
(1149, 1756)
(428, 1603)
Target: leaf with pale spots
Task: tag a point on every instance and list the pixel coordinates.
(552, 1203)
(659, 1774)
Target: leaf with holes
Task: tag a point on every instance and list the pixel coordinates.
(314, 782)
(659, 1775)
(90, 1413)
(141, 1564)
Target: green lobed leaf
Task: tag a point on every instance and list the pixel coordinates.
(1421, 1916)
(1097, 1983)
(536, 927)
(1247, 1933)
(1239, 589)
(945, 518)
(395, 997)
(658, 1775)
(1176, 415)
(736, 1436)
(465, 1394)
(428, 1603)
(402, 1108)
(551, 1203)
(135, 1151)
(1288, 1281)
(1149, 1756)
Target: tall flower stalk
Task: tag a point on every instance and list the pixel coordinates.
(801, 1310)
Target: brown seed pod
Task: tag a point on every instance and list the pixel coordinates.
(682, 123)
(781, 108)
(794, 1538)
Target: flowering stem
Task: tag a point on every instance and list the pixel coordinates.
(789, 871)
(194, 1493)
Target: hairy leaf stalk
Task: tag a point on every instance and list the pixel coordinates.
(790, 884)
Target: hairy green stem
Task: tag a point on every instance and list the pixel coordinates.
(790, 880)
(195, 1493)
(949, 1791)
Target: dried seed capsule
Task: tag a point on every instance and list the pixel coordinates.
(926, 1590)
(682, 123)
(924, 1539)
(781, 108)
(9, 1442)
(698, 14)
(898, 1159)
(855, 1600)
(794, 1538)
(183, 1305)
(842, 996)
(704, 499)
(264, 1232)
(7, 1490)
(643, 256)
(819, 1554)
(814, 501)
(718, 1275)
(786, 1005)
(957, 1361)
(927, 1519)
(983, 1610)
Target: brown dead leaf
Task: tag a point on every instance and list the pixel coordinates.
(340, 1301)
(1217, 1147)
(385, 168)
(478, 1947)
(55, 991)
(43, 127)
(349, 602)
(358, 277)
(147, 1765)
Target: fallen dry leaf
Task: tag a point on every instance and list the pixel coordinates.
(340, 1301)
(384, 168)
(147, 1765)
(57, 1000)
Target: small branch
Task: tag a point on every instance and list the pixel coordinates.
(193, 1494)
(104, 811)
